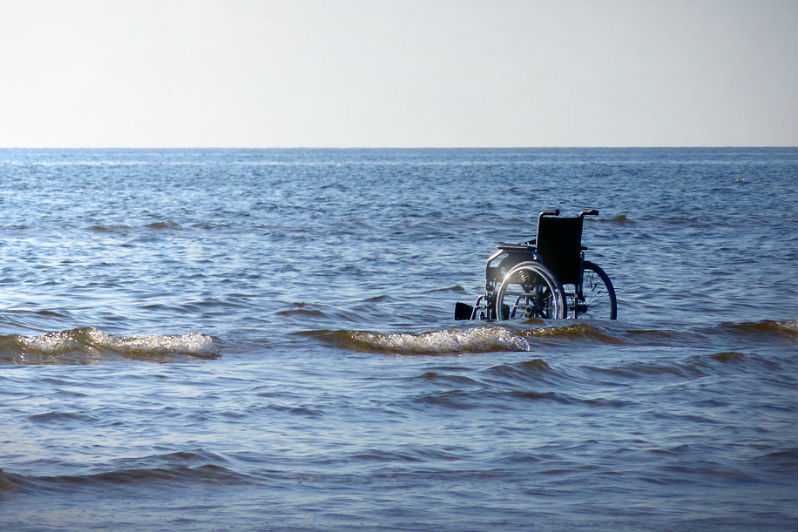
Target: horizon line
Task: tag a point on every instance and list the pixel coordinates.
(487, 147)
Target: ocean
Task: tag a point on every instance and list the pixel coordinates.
(264, 339)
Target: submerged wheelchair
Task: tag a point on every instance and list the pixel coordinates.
(529, 280)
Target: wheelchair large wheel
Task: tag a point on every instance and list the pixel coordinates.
(530, 290)
(597, 299)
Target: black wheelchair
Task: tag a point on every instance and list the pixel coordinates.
(527, 281)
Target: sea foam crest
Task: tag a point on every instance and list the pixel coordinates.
(89, 343)
(476, 340)
(470, 340)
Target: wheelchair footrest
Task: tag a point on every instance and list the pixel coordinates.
(463, 311)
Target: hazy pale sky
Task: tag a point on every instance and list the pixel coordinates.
(236, 73)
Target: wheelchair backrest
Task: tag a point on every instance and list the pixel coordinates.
(559, 243)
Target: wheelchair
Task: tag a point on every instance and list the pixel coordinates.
(544, 278)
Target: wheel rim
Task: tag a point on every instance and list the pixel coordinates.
(597, 299)
(529, 291)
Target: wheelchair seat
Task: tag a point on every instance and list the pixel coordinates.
(559, 244)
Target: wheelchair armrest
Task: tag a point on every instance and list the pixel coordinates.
(513, 247)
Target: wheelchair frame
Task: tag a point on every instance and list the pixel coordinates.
(526, 281)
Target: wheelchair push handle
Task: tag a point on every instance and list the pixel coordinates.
(556, 212)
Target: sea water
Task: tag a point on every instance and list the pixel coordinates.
(264, 340)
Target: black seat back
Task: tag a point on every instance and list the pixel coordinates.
(559, 244)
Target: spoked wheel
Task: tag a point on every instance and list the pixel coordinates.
(529, 291)
(597, 299)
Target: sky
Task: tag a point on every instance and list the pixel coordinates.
(383, 73)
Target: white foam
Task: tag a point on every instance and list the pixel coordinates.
(92, 340)
(483, 339)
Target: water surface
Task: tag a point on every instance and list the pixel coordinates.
(264, 339)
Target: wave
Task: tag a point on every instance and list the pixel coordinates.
(128, 476)
(5, 482)
(693, 366)
(766, 327)
(621, 219)
(113, 228)
(574, 331)
(477, 340)
(499, 338)
(758, 330)
(461, 399)
(454, 288)
(125, 228)
(88, 345)
(452, 341)
(728, 356)
(526, 368)
(169, 224)
(301, 311)
(15, 227)
(185, 466)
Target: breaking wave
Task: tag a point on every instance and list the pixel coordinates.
(88, 345)
(498, 338)
(478, 340)
(454, 341)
